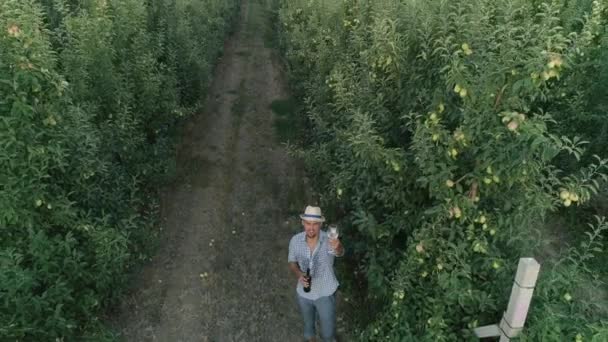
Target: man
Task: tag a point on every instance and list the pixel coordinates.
(313, 249)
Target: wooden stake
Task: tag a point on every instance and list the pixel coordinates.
(514, 318)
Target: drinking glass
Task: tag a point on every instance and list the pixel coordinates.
(333, 234)
(333, 231)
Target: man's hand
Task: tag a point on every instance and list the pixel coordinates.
(303, 280)
(336, 246)
(299, 274)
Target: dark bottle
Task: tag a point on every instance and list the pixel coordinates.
(309, 279)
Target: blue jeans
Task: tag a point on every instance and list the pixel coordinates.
(325, 308)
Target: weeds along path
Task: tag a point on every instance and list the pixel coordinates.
(221, 272)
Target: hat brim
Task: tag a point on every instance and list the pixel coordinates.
(311, 218)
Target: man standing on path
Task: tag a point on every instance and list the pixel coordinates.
(313, 250)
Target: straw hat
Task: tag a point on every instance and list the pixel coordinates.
(312, 214)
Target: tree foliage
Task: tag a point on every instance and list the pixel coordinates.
(89, 94)
(437, 133)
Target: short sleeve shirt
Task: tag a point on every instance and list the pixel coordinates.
(320, 262)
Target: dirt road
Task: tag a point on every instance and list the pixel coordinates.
(221, 272)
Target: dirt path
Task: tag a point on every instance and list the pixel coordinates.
(221, 273)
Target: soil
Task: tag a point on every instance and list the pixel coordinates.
(221, 270)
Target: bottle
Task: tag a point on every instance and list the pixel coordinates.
(307, 288)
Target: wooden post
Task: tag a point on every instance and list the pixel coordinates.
(514, 318)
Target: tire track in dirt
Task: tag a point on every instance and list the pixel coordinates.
(221, 272)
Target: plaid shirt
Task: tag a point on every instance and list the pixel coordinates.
(320, 262)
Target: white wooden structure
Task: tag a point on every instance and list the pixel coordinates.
(514, 318)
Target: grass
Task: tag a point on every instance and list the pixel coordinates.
(566, 229)
(263, 16)
(239, 105)
(289, 122)
(270, 35)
